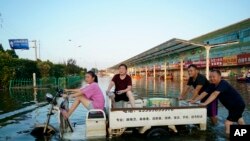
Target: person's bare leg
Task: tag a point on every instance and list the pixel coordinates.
(113, 100)
(78, 100)
(131, 98)
(214, 120)
(73, 107)
(227, 126)
(85, 102)
(241, 121)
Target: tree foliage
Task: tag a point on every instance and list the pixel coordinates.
(1, 48)
(72, 68)
(94, 70)
(44, 68)
(12, 67)
(12, 53)
(58, 70)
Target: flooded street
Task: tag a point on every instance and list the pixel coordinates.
(20, 111)
(47, 46)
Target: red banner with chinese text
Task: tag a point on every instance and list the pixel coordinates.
(243, 59)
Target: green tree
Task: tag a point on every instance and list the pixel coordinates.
(8, 74)
(24, 68)
(6, 71)
(12, 67)
(94, 70)
(12, 53)
(1, 48)
(72, 68)
(58, 70)
(44, 68)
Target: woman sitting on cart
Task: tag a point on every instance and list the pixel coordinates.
(90, 96)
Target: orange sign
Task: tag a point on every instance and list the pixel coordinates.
(230, 60)
(174, 66)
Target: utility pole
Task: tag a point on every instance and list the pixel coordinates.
(35, 47)
(39, 52)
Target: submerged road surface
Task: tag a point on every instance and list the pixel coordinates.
(21, 111)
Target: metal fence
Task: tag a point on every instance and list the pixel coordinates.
(73, 81)
(21, 83)
(48, 82)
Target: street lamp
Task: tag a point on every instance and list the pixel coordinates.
(208, 47)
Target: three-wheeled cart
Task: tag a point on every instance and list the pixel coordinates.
(150, 116)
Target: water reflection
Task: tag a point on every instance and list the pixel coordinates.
(165, 87)
(35, 95)
(15, 99)
(150, 87)
(146, 86)
(181, 85)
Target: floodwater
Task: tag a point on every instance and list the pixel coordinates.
(22, 110)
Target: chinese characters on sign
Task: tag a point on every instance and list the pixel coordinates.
(230, 60)
(19, 43)
(243, 59)
(216, 62)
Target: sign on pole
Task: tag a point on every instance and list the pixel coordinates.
(19, 43)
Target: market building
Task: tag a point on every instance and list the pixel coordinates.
(226, 49)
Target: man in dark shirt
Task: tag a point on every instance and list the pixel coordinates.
(123, 86)
(227, 95)
(199, 82)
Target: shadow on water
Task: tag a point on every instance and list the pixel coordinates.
(22, 110)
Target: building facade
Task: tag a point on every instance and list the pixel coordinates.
(232, 59)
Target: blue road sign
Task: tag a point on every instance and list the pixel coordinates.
(19, 43)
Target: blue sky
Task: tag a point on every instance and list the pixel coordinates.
(111, 31)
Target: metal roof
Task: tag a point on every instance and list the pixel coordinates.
(222, 31)
(167, 48)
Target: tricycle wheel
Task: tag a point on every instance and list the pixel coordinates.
(38, 133)
(157, 132)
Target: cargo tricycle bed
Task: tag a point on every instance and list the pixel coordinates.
(149, 116)
(155, 112)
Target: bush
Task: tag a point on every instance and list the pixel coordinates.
(12, 67)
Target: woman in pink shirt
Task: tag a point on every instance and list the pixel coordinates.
(90, 96)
